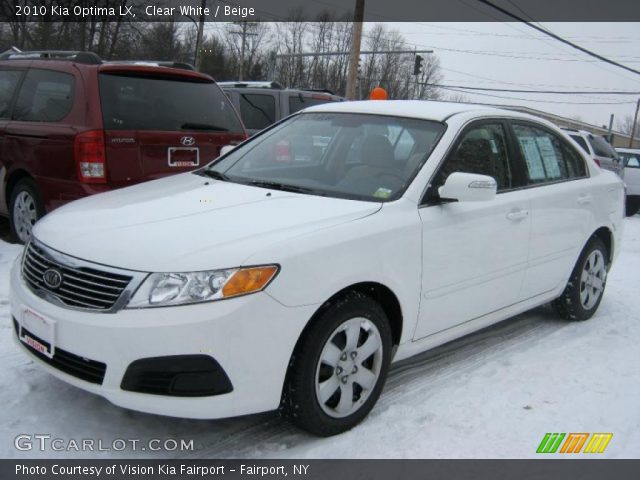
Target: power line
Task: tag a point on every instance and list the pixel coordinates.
(537, 101)
(555, 92)
(559, 38)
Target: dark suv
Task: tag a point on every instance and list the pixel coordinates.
(72, 125)
(263, 103)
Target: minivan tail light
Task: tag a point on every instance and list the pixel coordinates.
(90, 157)
(597, 162)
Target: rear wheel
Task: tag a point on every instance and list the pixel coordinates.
(339, 368)
(25, 209)
(585, 288)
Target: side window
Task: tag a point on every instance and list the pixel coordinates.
(482, 150)
(631, 160)
(8, 81)
(547, 158)
(45, 96)
(257, 111)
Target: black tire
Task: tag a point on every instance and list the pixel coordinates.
(27, 189)
(632, 205)
(570, 305)
(300, 403)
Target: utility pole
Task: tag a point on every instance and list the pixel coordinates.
(354, 53)
(635, 123)
(610, 132)
(198, 55)
(244, 32)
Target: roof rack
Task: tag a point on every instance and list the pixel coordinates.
(73, 56)
(153, 63)
(252, 84)
(318, 90)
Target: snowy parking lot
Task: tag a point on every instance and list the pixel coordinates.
(492, 394)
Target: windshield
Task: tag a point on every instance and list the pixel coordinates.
(132, 102)
(365, 157)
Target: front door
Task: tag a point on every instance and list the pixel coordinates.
(474, 253)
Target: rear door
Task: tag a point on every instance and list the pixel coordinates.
(159, 122)
(561, 205)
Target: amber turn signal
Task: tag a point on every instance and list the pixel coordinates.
(249, 280)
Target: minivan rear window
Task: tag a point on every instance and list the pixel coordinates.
(132, 102)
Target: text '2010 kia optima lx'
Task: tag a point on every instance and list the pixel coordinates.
(293, 270)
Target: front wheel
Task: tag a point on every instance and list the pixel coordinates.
(339, 368)
(585, 288)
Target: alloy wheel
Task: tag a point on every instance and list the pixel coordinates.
(349, 367)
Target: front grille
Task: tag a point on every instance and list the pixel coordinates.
(81, 287)
(67, 362)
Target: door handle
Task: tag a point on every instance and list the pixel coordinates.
(517, 215)
(584, 199)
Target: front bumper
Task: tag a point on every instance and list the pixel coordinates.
(250, 337)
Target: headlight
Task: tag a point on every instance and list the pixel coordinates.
(165, 289)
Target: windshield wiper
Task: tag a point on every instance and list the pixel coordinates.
(285, 187)
(215, 174)
(202, 126)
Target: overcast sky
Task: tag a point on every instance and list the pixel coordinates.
(514, 56)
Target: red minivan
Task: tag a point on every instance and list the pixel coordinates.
(72, 125)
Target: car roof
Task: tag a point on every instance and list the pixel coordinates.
(627, 150)
(421, 109)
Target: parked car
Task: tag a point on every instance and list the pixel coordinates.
(600, 150)
(72, 125)
(255, 284)
(631, 161)
(261, 104)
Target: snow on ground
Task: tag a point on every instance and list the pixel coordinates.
(491, 394)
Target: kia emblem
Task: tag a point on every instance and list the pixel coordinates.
(52, 278)
(188, 141)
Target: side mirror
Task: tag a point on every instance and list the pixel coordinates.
(226, 149)
(468, 187)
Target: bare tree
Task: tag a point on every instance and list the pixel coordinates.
(626, 125)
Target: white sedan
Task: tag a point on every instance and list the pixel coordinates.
(289, 273)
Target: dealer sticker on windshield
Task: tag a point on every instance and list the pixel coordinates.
(37, 332)
(383, 193)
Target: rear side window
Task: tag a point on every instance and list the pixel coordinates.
(580, 141)
(298, 102)
(45, 96)
(8, 81)
(257, 111)
(547, 158)
(481, 150)
(146, 103)
(601, 147)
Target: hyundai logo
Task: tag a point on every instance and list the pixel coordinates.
(188, 141)
(52, 278)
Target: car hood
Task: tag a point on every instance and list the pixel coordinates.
(188, 223)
